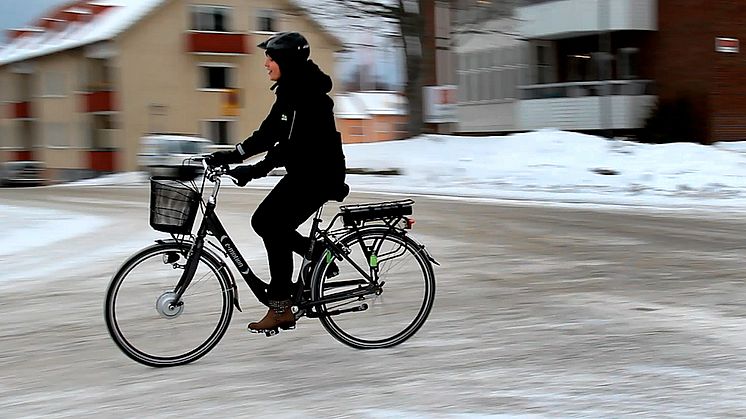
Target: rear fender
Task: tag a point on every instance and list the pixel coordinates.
(395, 231)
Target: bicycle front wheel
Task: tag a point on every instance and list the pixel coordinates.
(390, 316)
(145, 321)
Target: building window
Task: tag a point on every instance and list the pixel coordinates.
(56, 134)
(493, 85)
(97, 75)
(492, 74)
(462, 90)
(54, 84)
(219, 132)
(628, 65)
(266, 21)
(357, 130)
(484, 84)
(579, 67)
(512, 83)
(604, 64)
(543, 65)
(473, 61)
(84, 134)
(217, 76)
(101, 132)
(26, 89)
(211, 18)
(382, 127)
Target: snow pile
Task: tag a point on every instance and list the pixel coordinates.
(559, 166)
(547, 165)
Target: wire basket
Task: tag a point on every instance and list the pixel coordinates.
(173, 205)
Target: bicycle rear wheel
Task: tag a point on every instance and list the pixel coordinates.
(144, 322)
(384, 319)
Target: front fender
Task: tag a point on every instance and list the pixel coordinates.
(218, 259)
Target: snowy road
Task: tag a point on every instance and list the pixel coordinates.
(540, 311)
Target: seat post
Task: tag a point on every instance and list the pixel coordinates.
(317, 218)
(314, 228)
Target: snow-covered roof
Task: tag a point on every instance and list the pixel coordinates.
(108, 18)
(83, 22)
(363, 105)
(346, 107)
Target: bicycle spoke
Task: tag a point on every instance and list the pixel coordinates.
(391, 314)
(150, 326)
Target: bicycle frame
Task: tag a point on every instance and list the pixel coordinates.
(211, 223)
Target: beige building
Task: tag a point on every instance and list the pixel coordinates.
(80, 86)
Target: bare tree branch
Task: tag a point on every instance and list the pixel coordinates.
(402, 21)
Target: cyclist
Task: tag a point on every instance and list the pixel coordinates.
(300, 134)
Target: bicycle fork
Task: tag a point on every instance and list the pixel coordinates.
(189, 269)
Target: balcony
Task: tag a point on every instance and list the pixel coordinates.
(572, 18)
(22, 155)
(102, 160)
(98, 101)
(611, 104)
(587, 88)
(20, 110)
(217, 42)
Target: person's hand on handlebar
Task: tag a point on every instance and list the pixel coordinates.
(223, 158)
(241, 175)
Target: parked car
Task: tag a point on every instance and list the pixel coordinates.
(167, 154)
(22, 173)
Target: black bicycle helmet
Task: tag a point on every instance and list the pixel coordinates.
(287, 47)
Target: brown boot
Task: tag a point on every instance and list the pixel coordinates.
(279, 315)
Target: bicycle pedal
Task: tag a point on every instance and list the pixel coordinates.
(268, 332)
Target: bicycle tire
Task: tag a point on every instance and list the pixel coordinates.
(140, 278)
(380, 325)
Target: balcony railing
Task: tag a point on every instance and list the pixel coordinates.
(20, 110)
(103, 160)
(98, 101)
(23, 155)
(597, 105)
(588, 88)
(217, 42)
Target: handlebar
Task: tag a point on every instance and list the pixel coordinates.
(212, 173)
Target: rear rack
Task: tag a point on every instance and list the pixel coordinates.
(355, 215)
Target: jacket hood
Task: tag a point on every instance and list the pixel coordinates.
(305, 78)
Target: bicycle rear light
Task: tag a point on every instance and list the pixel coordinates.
(409, 222)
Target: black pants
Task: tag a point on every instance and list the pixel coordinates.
(276, 220)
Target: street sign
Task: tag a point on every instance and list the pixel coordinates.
(440, 104)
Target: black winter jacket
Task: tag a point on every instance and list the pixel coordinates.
(300, 133)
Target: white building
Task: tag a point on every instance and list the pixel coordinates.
(567, 64)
